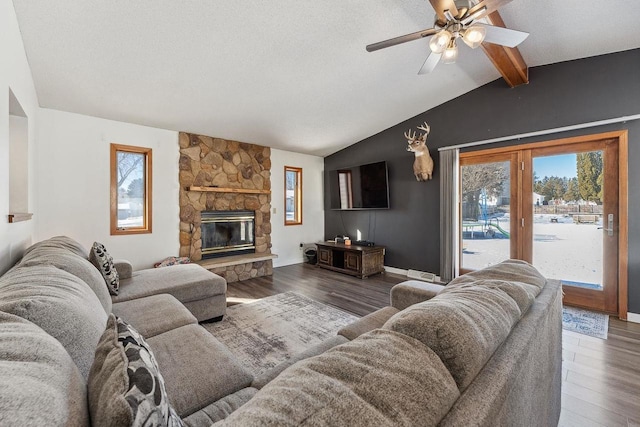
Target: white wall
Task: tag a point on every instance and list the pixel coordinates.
(74, 180)
(286, 239)
(15, 74)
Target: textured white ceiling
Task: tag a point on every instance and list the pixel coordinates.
(287, 74)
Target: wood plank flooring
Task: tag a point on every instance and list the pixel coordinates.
(600, 378)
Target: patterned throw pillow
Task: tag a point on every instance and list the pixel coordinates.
(104, 262)
(125, 385)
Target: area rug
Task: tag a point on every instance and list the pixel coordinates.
(268, 331)
(585, 322)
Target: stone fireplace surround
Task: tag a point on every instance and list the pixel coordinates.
(227, 175)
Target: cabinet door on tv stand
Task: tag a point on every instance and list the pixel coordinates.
(324, 256)
(373, 262)
(352, 261)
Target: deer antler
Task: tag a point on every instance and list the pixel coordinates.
(425, 127)
(408, 135)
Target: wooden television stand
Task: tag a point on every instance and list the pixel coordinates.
(361, 261)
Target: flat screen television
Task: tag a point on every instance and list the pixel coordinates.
(360, 187)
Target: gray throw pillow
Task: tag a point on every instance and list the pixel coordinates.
(125, 385)
(104, 263)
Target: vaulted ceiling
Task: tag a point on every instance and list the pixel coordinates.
(288, 74)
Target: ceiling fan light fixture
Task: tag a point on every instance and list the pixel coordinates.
(474, 36)
(440, 41)
(450, 53)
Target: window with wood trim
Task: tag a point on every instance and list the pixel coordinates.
(130, 189)
(292, 195)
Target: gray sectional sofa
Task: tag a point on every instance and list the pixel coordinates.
(484, 350)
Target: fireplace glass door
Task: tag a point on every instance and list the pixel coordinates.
(227, 233)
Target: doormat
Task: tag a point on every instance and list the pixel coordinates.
(585, 322)
(268, 331)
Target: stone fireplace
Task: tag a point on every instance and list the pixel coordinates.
(217, 177)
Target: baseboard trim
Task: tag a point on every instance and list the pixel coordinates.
(633, 317)
(394, 270)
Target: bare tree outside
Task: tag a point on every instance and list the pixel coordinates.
(130, 189)
(127, 163)
(487, 178)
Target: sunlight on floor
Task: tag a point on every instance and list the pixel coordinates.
(236, 300)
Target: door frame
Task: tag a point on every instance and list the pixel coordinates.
(525, 158)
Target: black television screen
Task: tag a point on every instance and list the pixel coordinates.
(360, 187)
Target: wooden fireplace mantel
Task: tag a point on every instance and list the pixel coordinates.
(228, 190)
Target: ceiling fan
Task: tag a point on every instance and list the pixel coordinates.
(457, 19)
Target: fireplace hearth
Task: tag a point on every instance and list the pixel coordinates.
(226, 233)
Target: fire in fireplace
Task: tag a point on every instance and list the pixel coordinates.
(227, 233)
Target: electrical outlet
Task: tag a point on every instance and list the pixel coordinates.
(274, 210)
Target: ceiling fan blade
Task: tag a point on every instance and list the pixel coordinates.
(430, 63)
(401, 39)
(441, 5)
(503, 36)
(482, 9)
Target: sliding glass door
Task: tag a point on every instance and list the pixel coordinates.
(555, 204)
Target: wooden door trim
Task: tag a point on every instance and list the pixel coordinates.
(614, 135)
(526, 232)
(623, 230)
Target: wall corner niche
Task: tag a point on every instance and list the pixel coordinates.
(18, 162)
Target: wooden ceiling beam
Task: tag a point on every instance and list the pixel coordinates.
(507, 60)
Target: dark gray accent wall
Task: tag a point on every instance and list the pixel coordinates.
(558, 95)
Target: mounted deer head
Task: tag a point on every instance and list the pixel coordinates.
(423, 164)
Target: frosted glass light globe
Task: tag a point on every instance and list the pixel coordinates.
(439, 41)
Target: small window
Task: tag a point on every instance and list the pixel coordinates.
(130, 189)
(293, 195)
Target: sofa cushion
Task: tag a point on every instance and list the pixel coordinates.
(187, 282)
(154, 315)
(367, 323)
(412, 292)
(523, 294)
(39, 383)
(463, 327)
(72, 263)
(104, 263)
(197, 368)
(125, 385)
(61, 304)
(381, 378)
(220, 409)
(511, 270)
(207, 308)
(124, 268)
(60, 242)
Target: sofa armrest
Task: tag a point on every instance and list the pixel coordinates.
(123, 267)
(412, 292)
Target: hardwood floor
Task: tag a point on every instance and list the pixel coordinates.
(600, 378)
(357, 296)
